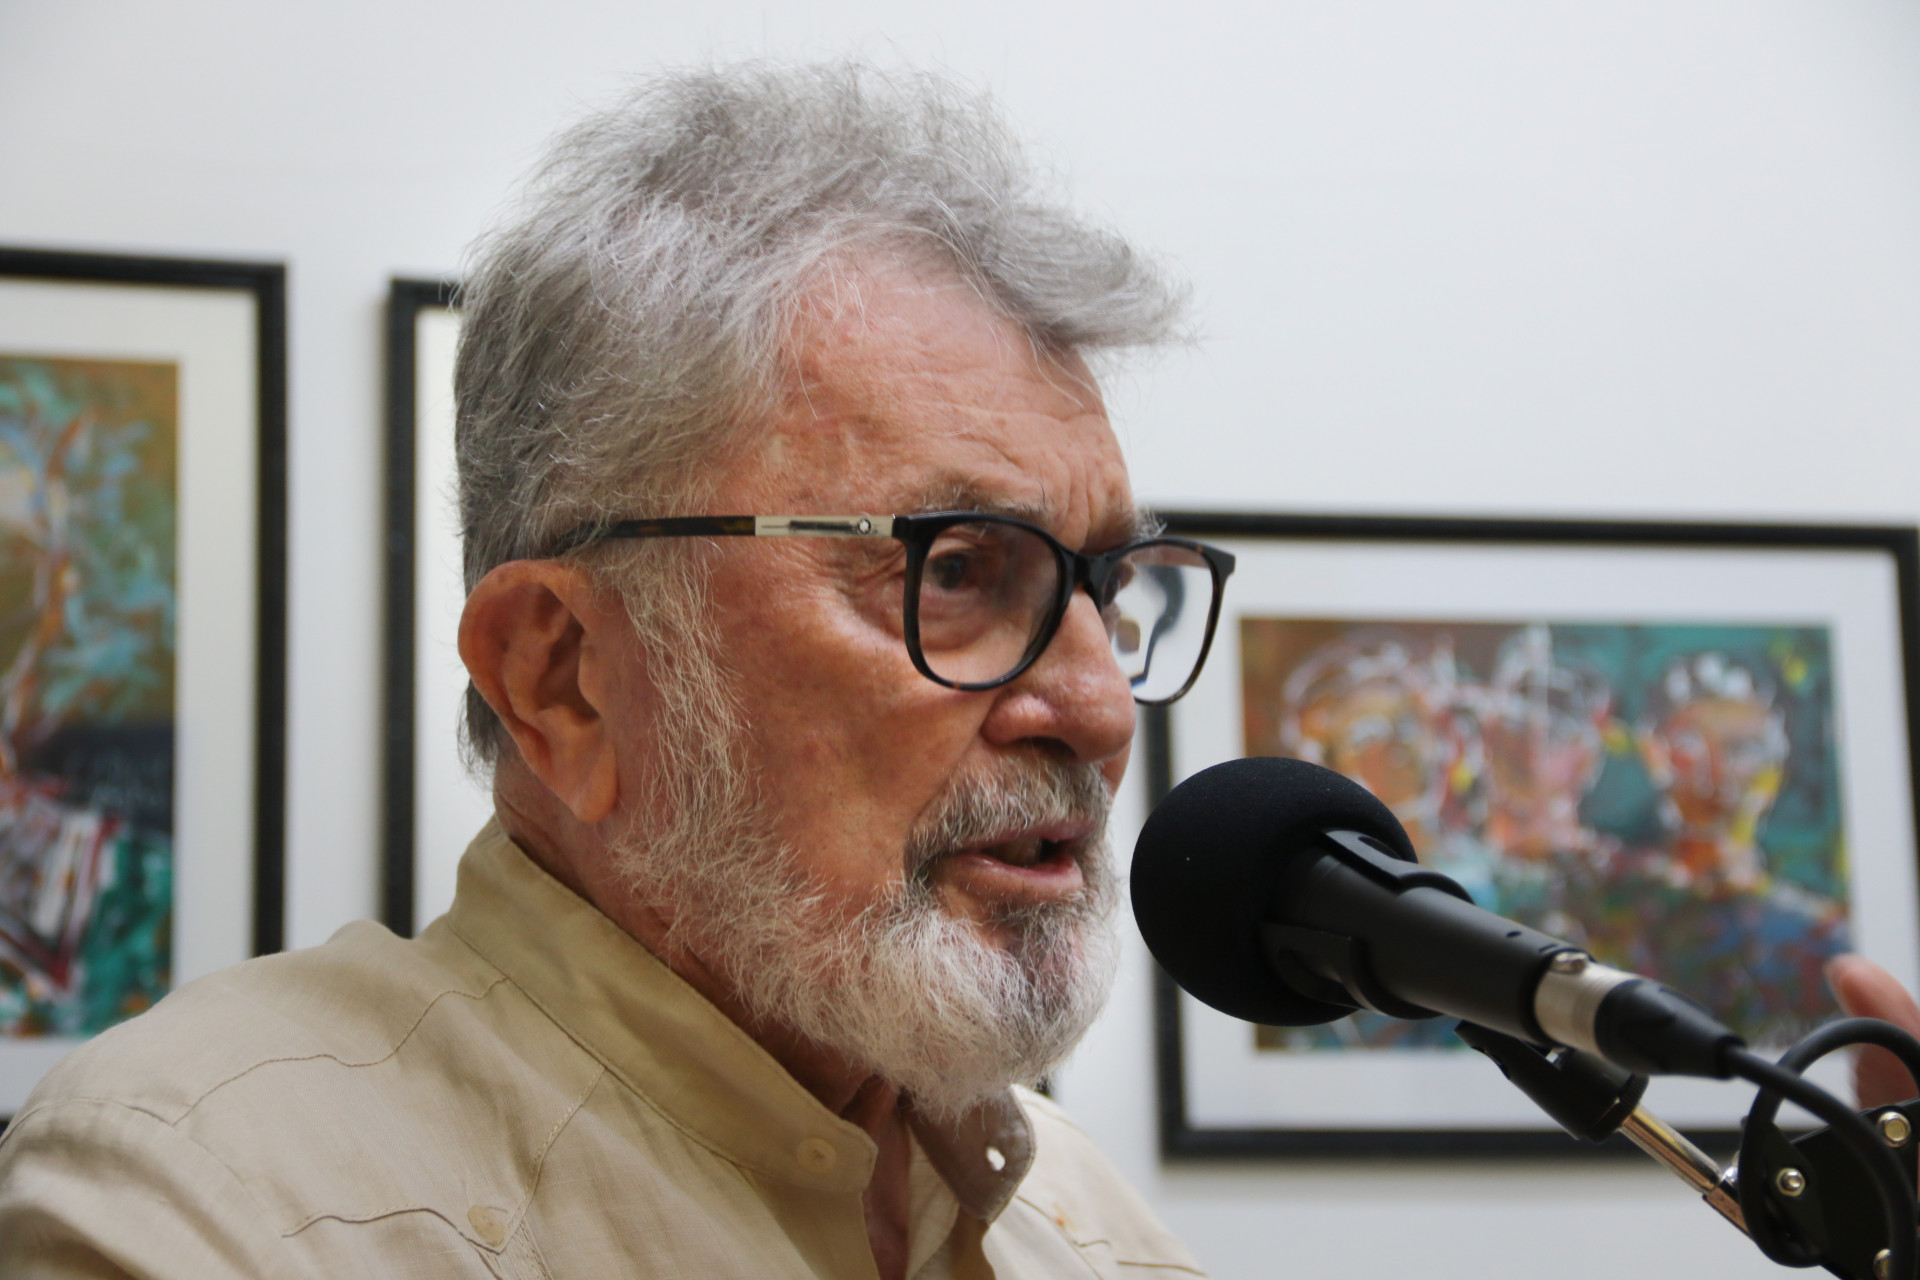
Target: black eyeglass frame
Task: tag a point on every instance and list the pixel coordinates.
(1077, 569)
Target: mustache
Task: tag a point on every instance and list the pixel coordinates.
(982, 806)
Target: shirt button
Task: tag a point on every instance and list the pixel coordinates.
(816, 1155)
(489, 1224)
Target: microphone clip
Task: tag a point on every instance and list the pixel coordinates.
(1586, 1095)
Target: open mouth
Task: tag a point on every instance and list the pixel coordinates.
(1033, 867)
(1030, 851)
(1049, 850)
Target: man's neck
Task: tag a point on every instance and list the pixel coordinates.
(877, 1109)
(852, 1094)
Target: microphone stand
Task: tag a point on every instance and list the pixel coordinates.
(1671, 1150)
(1805, 1200)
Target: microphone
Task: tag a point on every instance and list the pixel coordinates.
(1280, 892)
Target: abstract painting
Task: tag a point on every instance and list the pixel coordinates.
(88, 453)
(1664, 795)
(1689, 749)
(142, 637)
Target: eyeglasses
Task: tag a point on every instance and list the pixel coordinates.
(986, 593)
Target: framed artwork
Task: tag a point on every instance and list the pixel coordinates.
(1688, 748)
(142, 636)
(432, 806)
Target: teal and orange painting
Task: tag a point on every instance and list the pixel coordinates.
(88, 502)
(1665, 795)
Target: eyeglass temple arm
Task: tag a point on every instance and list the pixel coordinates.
(730, 527)
(823, 526)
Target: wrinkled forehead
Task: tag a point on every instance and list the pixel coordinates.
(912, 394)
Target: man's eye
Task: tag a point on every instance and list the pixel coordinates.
(950, 571)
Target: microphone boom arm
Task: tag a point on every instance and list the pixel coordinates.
(1804, 1200)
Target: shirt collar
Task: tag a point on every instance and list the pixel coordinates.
(983, 1155)
(686, 1058)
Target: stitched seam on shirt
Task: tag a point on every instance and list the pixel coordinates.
(334, 1057)
(1135, 1262)
(414, 1206)
(632, 1086)
(238, 1182)
(20, 1118)
(1078, 1243)
(530, 1255)
(373, 1215)
(540, 1161)
(1054, 1222)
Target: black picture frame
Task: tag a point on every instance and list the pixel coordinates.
(1182, 1137)
(36, 283)
(408, 300)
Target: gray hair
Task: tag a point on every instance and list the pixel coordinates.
(632, 316)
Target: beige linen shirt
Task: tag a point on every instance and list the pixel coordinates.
(523, 1091)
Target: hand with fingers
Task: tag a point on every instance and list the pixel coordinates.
(1865, 990)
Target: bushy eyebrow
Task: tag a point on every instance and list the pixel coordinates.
(965, 495)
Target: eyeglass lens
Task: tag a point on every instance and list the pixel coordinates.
(987, 591)
(1157, 621)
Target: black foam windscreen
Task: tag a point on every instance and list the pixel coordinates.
(1209, 867)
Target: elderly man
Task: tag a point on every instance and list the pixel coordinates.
(809, 605)
(808, 609)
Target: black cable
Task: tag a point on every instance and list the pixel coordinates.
(1766, 1230)
(1848, 1032)
(1888, 1182)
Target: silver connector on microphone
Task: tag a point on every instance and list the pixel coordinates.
(1569, 996)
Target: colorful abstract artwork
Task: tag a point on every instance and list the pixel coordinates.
(88, 460)
(1666, 796)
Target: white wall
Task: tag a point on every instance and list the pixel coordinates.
(1643, 257)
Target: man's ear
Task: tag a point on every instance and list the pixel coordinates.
(544, 652)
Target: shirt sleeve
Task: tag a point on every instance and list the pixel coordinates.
(97, 1189)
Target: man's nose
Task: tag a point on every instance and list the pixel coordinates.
(1075, 693)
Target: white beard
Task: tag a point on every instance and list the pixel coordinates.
(920, 998)
(900, 989)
